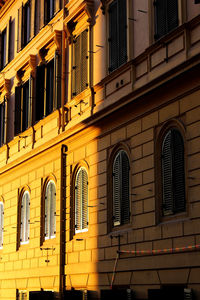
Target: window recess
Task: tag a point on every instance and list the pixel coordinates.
(117, 34)
(48, 9)
(80, 57)
(166, 17)
(48, 87)
(23, 106)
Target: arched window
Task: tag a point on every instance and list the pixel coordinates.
(25, 216)
(173, 173)
(81, 200)
(1, 224)
(50, 210)
(121, 189)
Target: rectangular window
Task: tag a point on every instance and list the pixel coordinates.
(80, 63)
(27, 23)
(117, 34)
(166, 17)
(2, 123)
(49, 10)
(48, 81)
(3, 48)
(11, 50)
(23, 107)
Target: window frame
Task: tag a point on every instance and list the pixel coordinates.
(47, 216)
(85, 229)
(161, 132)
(1, 223)
(24, 219)
(122, 147)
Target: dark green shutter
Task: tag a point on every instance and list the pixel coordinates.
(84, 192)
(30, 102)
(117, 191)
(172, 14)
(32, 18)
(57, 80)
(122, 32)
(76, 78)
(84, 60)
(2, 124)
(39, 103)
(18, 110)
(168, 206)
(113, 36)
(19, 31)
(125, 201)
(178, 172)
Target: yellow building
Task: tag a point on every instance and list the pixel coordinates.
(100, 149)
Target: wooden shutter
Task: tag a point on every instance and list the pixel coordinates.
(167, 179)
(52, 209)
(57, 81)
(39, 102)
(2, 123)
(84, 196)
(32, 19)
(122, 32)
(19, 31)
(30, 102)
(160, 17)
(125, 201)
(84, 60)
(10, 44)
(18, 110)
(1, 224)
(78, 202)
(117, 191)
(113, 36)
(178, 171)
(42, 13)
(172, 14)
(76, 74)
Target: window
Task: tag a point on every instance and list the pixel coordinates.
(23, 106)
(80, 63)
(117, 34)
(121, 189)
(48, 9)
(50, 210)
(1, 224)
(11, 49)
(81, 200)
(2, 123)
(3, 48)
(173, 173)
(166, 16)
(24, 218)
(24, 25)
(48, 88)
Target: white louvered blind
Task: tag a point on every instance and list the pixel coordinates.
(25, 216)
(1, 223)
(50, 210)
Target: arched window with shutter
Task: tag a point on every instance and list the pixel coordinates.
(50, 210)
(121, 189)
(81, 200)
(25, 218)
(173, 173)
(1, 224)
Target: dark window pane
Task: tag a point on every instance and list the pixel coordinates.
(49, 87)
(3, 50)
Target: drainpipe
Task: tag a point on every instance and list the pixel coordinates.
(63, 183)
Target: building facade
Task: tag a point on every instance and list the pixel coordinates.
(100, 149)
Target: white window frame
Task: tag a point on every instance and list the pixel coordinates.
(50, 218)
(81, 213)
(1, 223)
(25, 219)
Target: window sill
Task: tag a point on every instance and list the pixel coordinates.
(179, 217)
(120, 229)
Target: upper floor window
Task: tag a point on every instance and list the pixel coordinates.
(3, 48)
(48, 88)
(47, 10)
(50, 210)
(81, 200)
(2, 123)
(121, 189)
(24, 218)
(80, 63)
(1, 224)
(117, 34)
(24, 25)
(166, 16)
(173, 173)
(23, 106)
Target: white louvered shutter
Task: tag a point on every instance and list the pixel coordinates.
(78, 202)
(1, 224)
(46, 217)
(22, 221)
(27, 217)
(117, 191)
(84, 193)
(125, 201)
(52, 204)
